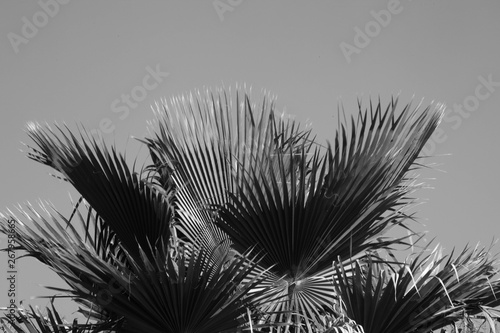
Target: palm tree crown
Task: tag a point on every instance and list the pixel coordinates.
(238, 218)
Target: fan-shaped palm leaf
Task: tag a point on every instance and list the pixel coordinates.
(130, 206)
(424, 294)
(207, 151)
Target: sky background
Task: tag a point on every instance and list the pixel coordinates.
(82, 56)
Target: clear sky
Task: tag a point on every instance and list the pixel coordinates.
(104, 63)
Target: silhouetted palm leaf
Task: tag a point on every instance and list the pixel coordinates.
(424, 294)
(130, 206)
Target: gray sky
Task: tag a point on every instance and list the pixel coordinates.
(103, 64)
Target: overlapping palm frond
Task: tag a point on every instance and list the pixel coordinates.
(422, 295)
(99, 251)
(273, 188)
(66, 249)
(190, 294)
(208, 145)
(168, 248)
(338, 204)
(182, 293)
(341, 206)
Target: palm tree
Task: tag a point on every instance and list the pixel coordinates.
(235, 223)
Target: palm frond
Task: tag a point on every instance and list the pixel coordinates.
(66, 249)
(266, 184)
(34, 321)
(132, 208)
(189, 294)
(98, 234)
(168, 248)
(424, 294)
(208, 145)
(171, 293)
(336, 203)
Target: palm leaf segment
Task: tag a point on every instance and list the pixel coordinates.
(424, 294)
(207, 149)
(261, 180)
(133, 209)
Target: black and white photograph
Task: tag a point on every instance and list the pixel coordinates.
(249, 166)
